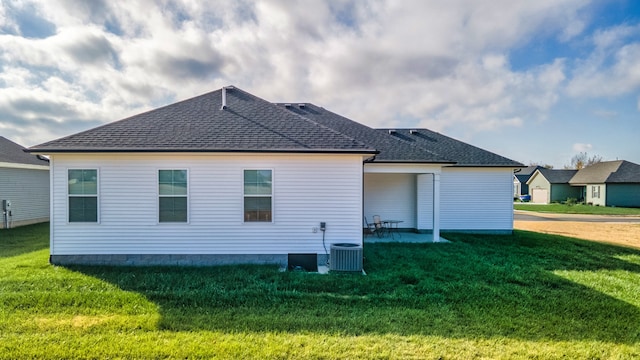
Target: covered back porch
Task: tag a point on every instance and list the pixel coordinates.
(406, 193)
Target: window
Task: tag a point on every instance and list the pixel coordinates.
(258, 193)
(172, 191)
(595, 191)
(83, 195)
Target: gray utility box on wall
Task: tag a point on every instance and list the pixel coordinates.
(346, 257)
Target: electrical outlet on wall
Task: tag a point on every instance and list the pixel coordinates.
(314, 229)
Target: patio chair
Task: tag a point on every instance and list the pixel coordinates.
(378, 225)
(371, 228)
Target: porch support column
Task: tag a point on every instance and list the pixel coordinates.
(436, 207)
(424, 203)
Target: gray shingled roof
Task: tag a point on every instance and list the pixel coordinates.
(462, 153)
(525, 173)
(391, 149)
(11, 152)
(248, 124)
(608, 172)
(554, 176)
(529, 170)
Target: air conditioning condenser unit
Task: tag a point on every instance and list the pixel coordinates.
(345, 257)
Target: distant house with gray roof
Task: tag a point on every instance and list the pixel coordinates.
(520, 178)
(24, 186)
(610, 183)
(227, 177)
(549, 185)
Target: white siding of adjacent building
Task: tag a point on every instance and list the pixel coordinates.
(28, 191)
(307, 190)
(479, 199)
(476, 199)
(392, 196)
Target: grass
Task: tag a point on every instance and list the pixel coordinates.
(527, 295)
(577, 209)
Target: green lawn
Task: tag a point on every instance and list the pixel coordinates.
(522, 296)
(577, 209)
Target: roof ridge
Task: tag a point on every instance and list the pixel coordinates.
(195, 124)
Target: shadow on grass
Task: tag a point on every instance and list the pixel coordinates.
(479, 286)
(25, 239)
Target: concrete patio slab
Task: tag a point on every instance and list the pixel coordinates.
(404, 237)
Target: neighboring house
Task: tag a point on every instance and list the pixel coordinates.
(520, 178)
(24, 186)
(548, 185)
(610, 183)
(227, 177)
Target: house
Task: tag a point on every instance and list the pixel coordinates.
(548, 185)
(24, 186)
(227, 177)
(610, 183)
(520, 178)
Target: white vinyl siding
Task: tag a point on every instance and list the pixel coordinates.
(310, 189)
(392, 196)
(28, 191)
(470, 198)
(476, 199)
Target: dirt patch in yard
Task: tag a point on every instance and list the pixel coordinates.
(614, 233)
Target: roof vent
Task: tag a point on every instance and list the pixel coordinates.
(413, 131)
(287, 105)
(224, 97)
(391, 131)
(302, 106)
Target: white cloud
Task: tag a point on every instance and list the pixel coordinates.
(612, 69)
(605, 114)
(578, 147)
(439, 63)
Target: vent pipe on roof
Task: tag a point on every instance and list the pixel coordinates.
(391, 132)
(413, 131)
(224, 96)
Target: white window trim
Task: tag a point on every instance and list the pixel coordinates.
(188, 196)
(98, 217)
(272, 196)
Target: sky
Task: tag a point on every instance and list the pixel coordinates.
(535, 81)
